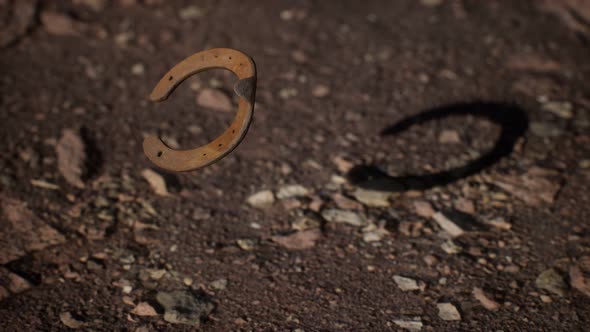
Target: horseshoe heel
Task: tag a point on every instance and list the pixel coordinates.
(221, 58)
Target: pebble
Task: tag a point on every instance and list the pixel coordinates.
(552, 281)
(156, 181)
(184, 307)
(246, 244)
(372, 198)
(345, 203)
(447, 311)
(261, 200)
(342, 216)
(423, 209)
(410, 325)
(451, 247)
(138, 69)
(219, 284)
(406, 284)
(191, 13)
(485, 301)
(287, 93)
(144, 309)
(374, 233)
(449, 137)
(291, 191)
(320, 91)
(59, 24)
(447, 225)
(562, 109)
(70, 321)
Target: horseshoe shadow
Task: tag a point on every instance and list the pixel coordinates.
(512, 119)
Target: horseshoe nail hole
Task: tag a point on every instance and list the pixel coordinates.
(216, 57)
(170, 78)
(160, 153)
(204, 154)
(230, 57)
(220, 144)
(233, 131)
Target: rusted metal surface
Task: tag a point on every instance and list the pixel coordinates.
(187, 160)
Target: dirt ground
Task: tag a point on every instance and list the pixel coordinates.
(412, 166)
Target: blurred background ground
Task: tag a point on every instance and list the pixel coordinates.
(286, 234)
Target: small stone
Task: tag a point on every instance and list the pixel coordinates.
(287, 93)
(345, 203)
(299, 240)
(68, 320)
(191, 13)
(447, 311)
(410, 325)
(187, 281)
(552, 281)
(342, 164)
(451, 247)
(500, 223)
(59, 24)
(447, 225)
(44, 184)
(578, 279)
(156, 181)
(423, 209)
(71, 156)
(157, 274)
(214, 99)
(320, 91)
(374, 233)
(545, 299)
(485, 301)
(138, 69)
(406, 284)
(372, 198)
(144, 309)
(562, 109)
(219, 284)
(291, 191)
(449, 137)
(308, 220)
(246, 244)
(465, 205)
(184, 307)
(261, 200)
(342, 216)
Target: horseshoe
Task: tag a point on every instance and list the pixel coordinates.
(221, 58)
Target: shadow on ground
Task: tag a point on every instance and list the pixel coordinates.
(512, 119)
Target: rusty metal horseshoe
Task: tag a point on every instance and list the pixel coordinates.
(218, 58)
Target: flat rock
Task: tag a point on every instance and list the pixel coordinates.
(410, 325)
(447, 311)
(290, 191)
(299, 240)
(184, 307)
(372, 198)
(71, 157)
(552, 281)
(406, 284)
(447, 225)
(261, 200)
(342, 216)
(22, 231)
